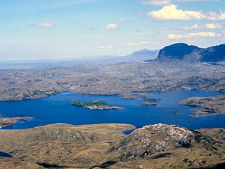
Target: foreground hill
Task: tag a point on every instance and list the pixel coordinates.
(182, 51)
(105, 146)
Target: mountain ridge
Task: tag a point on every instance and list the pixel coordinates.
(191, 53)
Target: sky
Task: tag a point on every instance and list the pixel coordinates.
(69, 29)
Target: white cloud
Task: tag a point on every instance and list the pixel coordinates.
(214, 16)
(194, 35)
(138, 43)
(213, 26)
(155, 2)
(106, 47)
(167, 2)
(195, 26)
(144, 42)
(170, 12)
(45, 25)
(207, 26)
(132, 44)
(122, 20)
(111, 26)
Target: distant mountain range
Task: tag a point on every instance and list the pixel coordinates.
(139, 56)
(184, 52)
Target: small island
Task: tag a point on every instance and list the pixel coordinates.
(175, 112)
(150, 101)
(148, 104)
(7, 122)
(94, 105)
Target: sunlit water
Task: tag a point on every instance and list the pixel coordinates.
(57, 109)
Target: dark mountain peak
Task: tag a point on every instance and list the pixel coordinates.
(185, 52)
(179, 45)
(177, 51)
(213, 54)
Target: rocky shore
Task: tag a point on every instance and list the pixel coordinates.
(7, 122)
(208, 105)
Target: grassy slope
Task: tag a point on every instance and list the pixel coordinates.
(87, 146)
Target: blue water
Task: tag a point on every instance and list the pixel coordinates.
(57, 109)
(2, 154)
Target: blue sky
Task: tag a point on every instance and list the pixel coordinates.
(67, 29)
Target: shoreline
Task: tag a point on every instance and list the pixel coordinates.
(11, 121)
(131, 95)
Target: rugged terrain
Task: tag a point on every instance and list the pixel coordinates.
(178, 66)
(104, 146)
(6, 122)
(61, 145)
(208, 105)
(126, 79)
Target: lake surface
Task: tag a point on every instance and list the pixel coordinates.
(2, 154)
(57, 109)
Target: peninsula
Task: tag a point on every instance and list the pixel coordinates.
(7, 122)
(207, 105)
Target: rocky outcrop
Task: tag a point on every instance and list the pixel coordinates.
(68, 135)
(104, 146)
(7, 122)
(209, 105)
(158, 138)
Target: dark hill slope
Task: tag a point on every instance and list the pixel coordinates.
(213, 54)
(182, 51)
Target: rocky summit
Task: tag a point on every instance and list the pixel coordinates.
(97, 146)
(159, 137)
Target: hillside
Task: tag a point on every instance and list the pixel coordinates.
(208, 105)
(182, 51)
(105, 146)
(122, 78)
